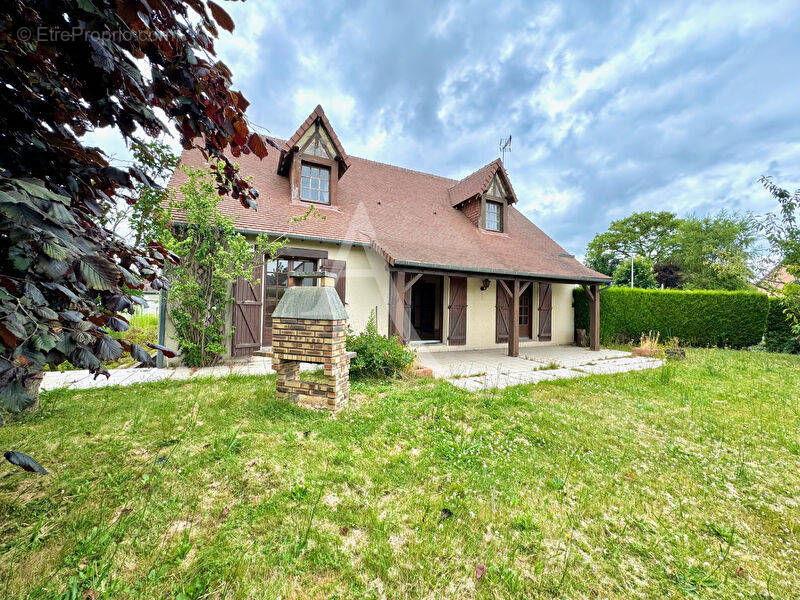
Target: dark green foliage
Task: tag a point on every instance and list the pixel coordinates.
(697, 318)
(643, 276)
(65, 274)
(377, 355)
(779, 336)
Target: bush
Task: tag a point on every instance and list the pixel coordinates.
(697, 318)
(377, 355)
(779, 335)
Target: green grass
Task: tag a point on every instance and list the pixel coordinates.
(682, 482)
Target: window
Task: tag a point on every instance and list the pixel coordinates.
(494, 216)
(315, 183)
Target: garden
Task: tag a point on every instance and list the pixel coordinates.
(676, 482)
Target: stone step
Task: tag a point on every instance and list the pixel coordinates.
(265, 352)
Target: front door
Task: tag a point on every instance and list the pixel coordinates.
(426, 309)
(526, 314)
(276, 280)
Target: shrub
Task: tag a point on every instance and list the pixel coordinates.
(377, 355)
(697, 318)
(779, 335)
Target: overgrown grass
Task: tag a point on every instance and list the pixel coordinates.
(681, 482)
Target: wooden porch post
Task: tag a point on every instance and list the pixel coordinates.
(396, 308)
(594, 317)
(513, 326)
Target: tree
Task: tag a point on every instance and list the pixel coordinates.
(603, 262)
(67, 67)
(668, 274)
(783, 233)
(642, 273)
(212, 256)
(714, 252)
(646, 234)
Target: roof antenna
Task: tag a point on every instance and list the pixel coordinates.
(505, 146)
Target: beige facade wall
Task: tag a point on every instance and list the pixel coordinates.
(481, 316)
(367, 291)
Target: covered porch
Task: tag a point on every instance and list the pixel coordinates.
(469, 309)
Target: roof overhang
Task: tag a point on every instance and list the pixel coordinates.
(411, 266)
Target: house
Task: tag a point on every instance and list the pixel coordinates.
(777, 278)
(443, 263)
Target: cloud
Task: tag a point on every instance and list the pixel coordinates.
(613, 106)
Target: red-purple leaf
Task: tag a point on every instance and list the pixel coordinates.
(164, 350)
(222, 18)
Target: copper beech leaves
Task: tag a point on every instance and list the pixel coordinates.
(65, 276)
(222, 18)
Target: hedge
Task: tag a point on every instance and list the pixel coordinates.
(697, 318)
(778, 336)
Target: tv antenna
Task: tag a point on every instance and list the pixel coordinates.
(505, 146)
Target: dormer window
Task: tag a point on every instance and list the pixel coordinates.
(315, 183)
(493, 218)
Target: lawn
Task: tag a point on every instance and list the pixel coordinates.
(681, 482)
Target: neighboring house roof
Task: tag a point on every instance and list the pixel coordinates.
(476, 183)
(407, 216)
(774, 281)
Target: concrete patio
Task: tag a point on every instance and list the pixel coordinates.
(483, 369)
(82, 379)
(471, 369)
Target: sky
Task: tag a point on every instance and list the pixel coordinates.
(614, 107)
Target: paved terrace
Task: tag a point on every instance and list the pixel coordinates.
(471, 370)
(483, 369)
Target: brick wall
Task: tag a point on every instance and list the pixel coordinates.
(472, 210)
(314, 341)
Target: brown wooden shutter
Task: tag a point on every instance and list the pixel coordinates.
(545, 312)
(458, 311)
(407, 307)
(503, 304)
(246, 337)
(338, 268)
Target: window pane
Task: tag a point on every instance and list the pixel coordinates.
(314, 184)
(492, 216)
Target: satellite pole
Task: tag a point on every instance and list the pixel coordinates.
(505, 146)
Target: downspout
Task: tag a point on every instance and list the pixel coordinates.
(162, 327)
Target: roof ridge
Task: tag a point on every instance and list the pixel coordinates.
(377, 162)
(475, 172)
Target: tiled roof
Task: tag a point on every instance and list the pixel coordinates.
(777, 278)
(405, 215)
(476, 183)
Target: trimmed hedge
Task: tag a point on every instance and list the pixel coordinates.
(778, 336)
(697, 318)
